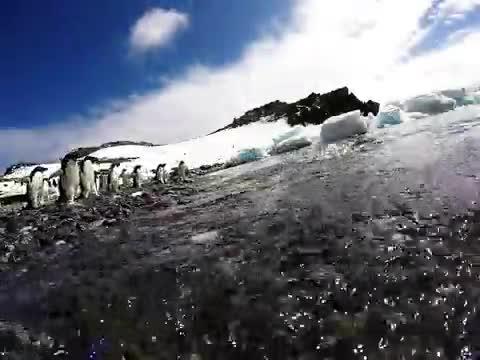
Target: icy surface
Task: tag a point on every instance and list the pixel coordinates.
(430, 104)
(306, 255)
(390, 115)
(343, 126)
(291, 144)
(246, 155)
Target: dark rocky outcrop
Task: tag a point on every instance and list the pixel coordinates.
(11, 169)
(84, 151)
(314, 109)
(275, 110)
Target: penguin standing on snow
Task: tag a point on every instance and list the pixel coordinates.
(46, 191)
(137, 176)
(114, 177)
(125, 177)
(182, 171)
(35, 188)
(161, 174)
(69, 180)
(87, 176)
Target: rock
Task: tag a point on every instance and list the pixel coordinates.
(12, 168)
(95, 224)
(12, 225)
(109, 222)
(314, 109)
(205, 238)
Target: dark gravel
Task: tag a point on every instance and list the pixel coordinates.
(302, 256)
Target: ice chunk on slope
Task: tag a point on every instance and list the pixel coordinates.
(294, 139)
(454, 93)
(296, 131)
(245, 156)
(391, 115)
(291, 144)
(430, 104)
(343, 126)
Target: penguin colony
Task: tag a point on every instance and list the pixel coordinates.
(81, 179)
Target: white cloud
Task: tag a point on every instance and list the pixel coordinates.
(156, 28)
(323, 46)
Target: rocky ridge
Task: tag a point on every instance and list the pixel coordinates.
(314, 109)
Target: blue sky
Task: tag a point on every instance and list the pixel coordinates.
(79, 73)
(65, 57)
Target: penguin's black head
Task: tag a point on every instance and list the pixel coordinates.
(37, 169)
(93, 159)
(137, 168)
(66, 160)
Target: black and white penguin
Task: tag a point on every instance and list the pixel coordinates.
(182, 171)
(138, 177)
(35, 187)
(125, 178)
(69, 180)
(88, 176)
(114, 178)
(161, 174)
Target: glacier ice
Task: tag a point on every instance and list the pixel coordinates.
(430, 104)
(343, 126)
(454, 93)
(390, 115)
(297, 130)
(245, 156)
(291, 144)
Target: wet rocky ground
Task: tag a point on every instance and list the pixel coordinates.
(316, 254)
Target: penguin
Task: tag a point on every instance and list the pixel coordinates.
(87, 176)
(182, 171)
(161, 174)
(137, 176)
(69, 180)
(46, 192)
(114, 177)
(125, 177)
(35, 188)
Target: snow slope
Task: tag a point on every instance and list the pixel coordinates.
(226, 146)
(208, 150)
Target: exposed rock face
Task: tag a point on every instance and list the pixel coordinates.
(314, 109)
(14, 167)
(274, 111)
(84, 151)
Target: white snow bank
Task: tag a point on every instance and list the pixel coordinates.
(221, 147)
(429, 104)
(343, 126)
